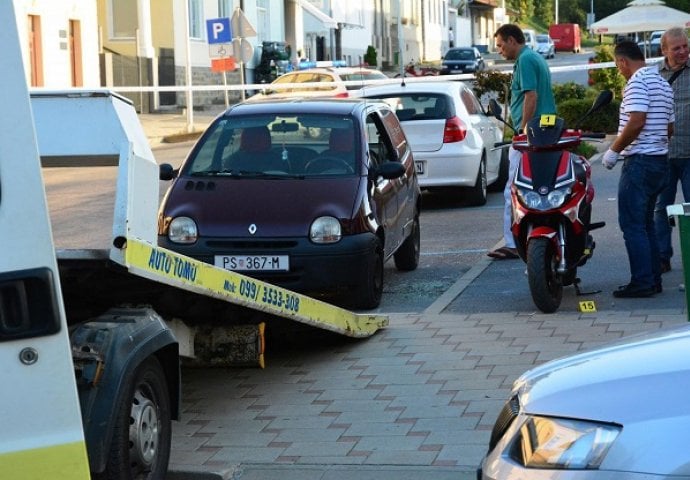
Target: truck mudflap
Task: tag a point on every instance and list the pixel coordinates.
(166, 266)
(127, 370)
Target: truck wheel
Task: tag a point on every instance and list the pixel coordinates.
(141, 440)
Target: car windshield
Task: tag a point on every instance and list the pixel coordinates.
(542, 39)
(276, 146)
(465, 54)
(415, 106)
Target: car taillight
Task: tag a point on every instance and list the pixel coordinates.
(454, 131)
(342, 95)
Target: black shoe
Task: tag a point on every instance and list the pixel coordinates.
(665, 266)
(629, 291)
(658, 288)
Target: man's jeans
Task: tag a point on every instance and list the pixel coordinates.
(679, 170)
(642, 179)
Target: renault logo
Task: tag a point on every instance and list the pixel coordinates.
(252, 228)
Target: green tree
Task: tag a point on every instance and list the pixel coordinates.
(525, 9)
(607, 78)
(544, 11)
(370, 57)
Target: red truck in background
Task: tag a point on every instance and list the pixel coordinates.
(566, 37)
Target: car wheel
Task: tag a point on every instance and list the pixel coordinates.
(369, 291)
(140, 446)
(476, 195)
(407, 256)
(503, 171)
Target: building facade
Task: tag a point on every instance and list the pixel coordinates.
(164, 43)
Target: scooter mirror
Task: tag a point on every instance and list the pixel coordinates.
(603, 99)
(495, 109)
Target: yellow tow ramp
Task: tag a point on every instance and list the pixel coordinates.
(166, 266)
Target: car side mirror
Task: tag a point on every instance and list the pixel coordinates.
(166, 172)
(390, 170)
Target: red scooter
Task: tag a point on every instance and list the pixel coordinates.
(411, 71)
(552, 195)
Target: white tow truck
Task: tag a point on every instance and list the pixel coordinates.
(91, 338)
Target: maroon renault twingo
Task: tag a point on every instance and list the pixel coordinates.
(310, 195)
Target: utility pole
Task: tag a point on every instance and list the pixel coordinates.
(556, 11)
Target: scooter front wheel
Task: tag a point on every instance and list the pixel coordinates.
(544, 282)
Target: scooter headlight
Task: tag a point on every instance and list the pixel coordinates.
(556, 198)
(535, 201)
(532, 200)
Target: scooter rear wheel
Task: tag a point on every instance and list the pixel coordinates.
(544, 282)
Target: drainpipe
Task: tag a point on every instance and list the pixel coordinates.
(423, 12)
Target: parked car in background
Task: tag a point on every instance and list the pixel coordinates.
(336, 82)
(311, 195)
(530, 38)
(566, 37)
(462, 60)
(618, 412)
(652, 45)
(545, 46)
(450, 135)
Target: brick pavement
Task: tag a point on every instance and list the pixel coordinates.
(423, 393)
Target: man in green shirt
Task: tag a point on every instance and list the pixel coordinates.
(530, 96)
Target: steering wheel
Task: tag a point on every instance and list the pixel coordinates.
(326, 162)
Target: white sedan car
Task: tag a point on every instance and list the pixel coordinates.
(336, 82)
(617, 413)
(450, 135)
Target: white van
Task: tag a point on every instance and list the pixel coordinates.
(530, 38)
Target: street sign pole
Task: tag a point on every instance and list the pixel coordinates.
(188, 72)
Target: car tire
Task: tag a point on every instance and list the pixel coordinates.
(140, 446)
(407, 256)
(370, 290)
(503, 171)
(476, 195)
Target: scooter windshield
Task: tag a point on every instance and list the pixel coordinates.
(540, 135)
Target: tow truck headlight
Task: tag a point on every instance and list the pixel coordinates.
(559, 443)
(325, 230)
(182, 230)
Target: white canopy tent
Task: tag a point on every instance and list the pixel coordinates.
(642, 16)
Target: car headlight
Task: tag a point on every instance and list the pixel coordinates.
(182, 230)
(535, 201)
(325, 230)
(559, 443)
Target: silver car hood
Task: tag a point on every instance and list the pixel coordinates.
(643, 378)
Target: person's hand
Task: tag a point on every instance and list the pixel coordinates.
(609, 159)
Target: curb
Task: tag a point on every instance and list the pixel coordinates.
(181, 137)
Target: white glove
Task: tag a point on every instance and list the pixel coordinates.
(609, 159)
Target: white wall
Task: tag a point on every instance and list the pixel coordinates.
(354, 41)
(55, 16)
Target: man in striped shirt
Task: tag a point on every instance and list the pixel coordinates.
(645, 125)
(675, 69)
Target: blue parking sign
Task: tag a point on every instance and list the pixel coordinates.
(218, 30)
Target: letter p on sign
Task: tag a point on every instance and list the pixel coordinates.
(218, 30)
